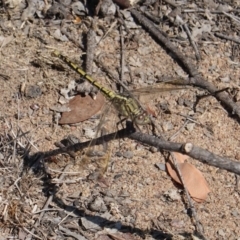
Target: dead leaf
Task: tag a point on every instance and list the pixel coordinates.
(82, 108)
(180, 158)
(193, 178)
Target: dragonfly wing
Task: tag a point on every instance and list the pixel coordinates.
(166, 86)
(154, 90)
(100, 154)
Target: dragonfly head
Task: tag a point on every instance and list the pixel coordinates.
(142, 119)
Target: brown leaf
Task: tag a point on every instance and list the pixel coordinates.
(82, 108)
(193, 178)
(180, 158)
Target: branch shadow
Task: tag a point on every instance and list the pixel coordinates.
(37, 164)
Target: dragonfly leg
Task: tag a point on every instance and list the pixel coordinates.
(120, 122)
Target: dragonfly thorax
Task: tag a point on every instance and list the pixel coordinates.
(130, 108)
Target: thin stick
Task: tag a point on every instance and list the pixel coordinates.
(198, 56)
(15, 183)
(200, 10)
(179, 130)
(32, 234)
(14, 139)
(122, 54)
(108, 31)
(232, 17)
(234, 39)
(91, 45)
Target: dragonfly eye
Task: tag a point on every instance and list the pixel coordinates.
(142, 119)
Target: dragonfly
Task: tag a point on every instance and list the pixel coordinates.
(126, 105)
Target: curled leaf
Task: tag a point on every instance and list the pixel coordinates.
(194, 180)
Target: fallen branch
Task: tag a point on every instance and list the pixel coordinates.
(195, 152)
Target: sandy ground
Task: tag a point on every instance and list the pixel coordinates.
(136, 199)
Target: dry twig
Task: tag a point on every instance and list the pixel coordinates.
(196, 152)
(198, 57)
(234, 39)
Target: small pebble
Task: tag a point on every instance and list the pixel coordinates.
(79, 9)
(30, 112)
(161, 166)
(167, 126)
(77, 203)
(237, 97)
(188, 103)
(62, 214)
(107, 8)
(91, 223)
(131, 172)
(106, 215)
(225, 79)
(190, 126)
(117, 176)
(34, 107)
(180, 101)
(164, 107)
(221, 232)
(98, 205)
(153, 149)
(118, 154)
(128, 154)
(235, 213)
(110, 193)
(33, 91)
(176, 223)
